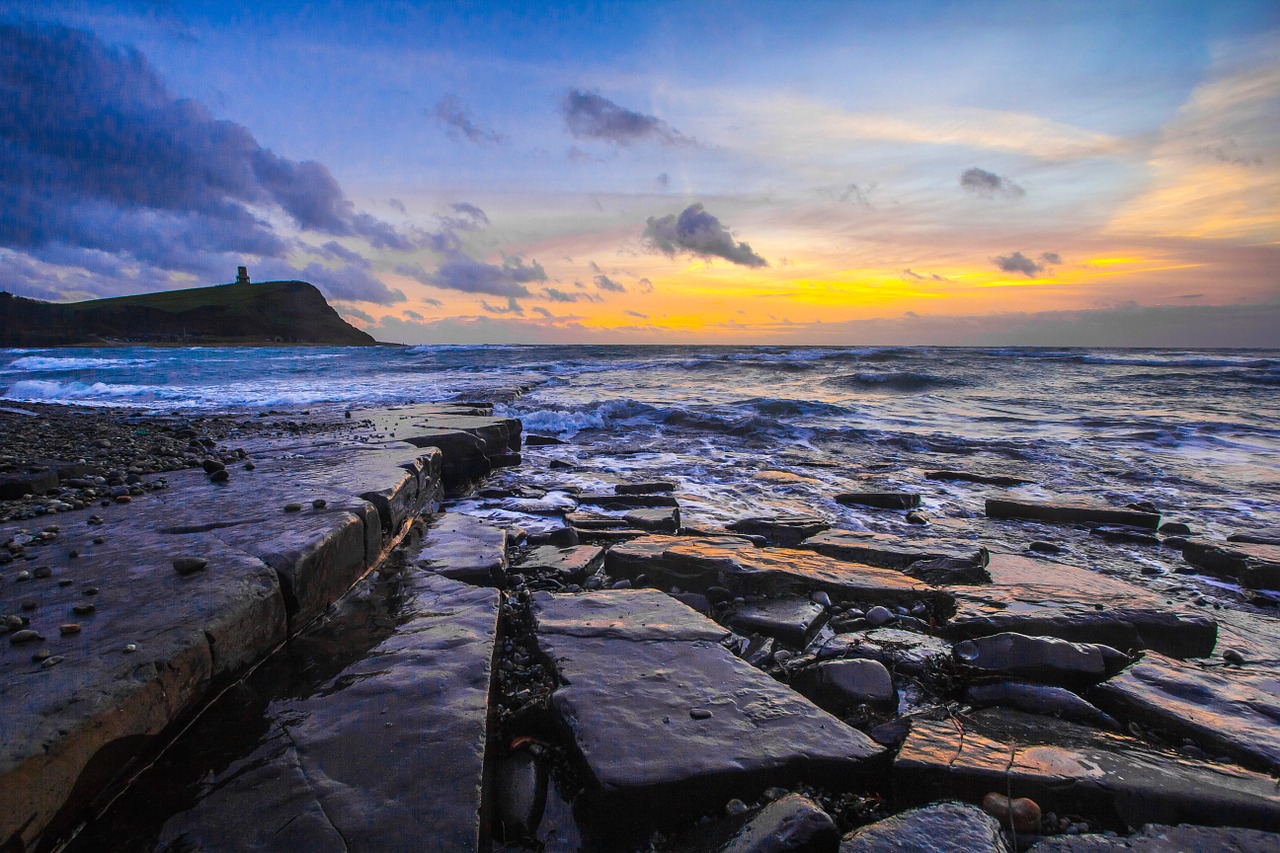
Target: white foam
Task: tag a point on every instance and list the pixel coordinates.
(42, 362)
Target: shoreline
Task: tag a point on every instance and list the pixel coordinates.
(823, 622)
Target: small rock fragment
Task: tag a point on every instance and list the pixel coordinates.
(130, 648)
(319, 503)
(26, 635)
(1020, 813)
(69, 629)
(51, 661)
(220, 476)
(1234, 656)
(83, 609)
(293, 507)
(189, 565)
(699, 713)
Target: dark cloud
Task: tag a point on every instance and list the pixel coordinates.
(644, 285)
(412, 315)
(856, 195)
(1030, 267)
(989, 184)
(663, 181)
(542, 312)
(636, 314)
(512, 307)
(590, 116)
(556, 295)
(97, 156)
(452, 113)
(914, 276)
(353, 282)
(436, 303)
(699, 233)
(603, 282)
(459, 271)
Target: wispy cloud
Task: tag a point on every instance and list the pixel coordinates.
(457, 121)
(986, 184)
(591, 116)
(1020, 263)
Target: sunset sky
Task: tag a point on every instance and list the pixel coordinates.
(824, 172)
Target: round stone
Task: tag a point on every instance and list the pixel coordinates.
(1234, 656)
(83, 609)
(319, 503)
(189, 565)
(880, 615)
(293, 507)
(700, 713)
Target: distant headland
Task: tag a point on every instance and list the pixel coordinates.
(238, 314)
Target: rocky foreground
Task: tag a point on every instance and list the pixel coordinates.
(268, 634)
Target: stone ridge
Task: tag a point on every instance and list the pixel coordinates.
(150, 606)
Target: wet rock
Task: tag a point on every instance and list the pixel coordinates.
(897, 552)
(1041, 598)
(847, 683)
(793, 621)
(1071, 512)
(643, 755)
(520, 795)
(655, 520)
(697, 564)
(1042, 547)
(26, 635)
(581, 521)
(189, 565)
(972, 477)
(1158, 838)
(533, 440)
(1175, 528)
(1257, 537)
(791, 822)
(1233, 711)
(15, 484)
(880, 500)
(464, 548)
(1047, 660)
(211, 466)
(560, 537)
(942, 827)
(1037, 699)
(948, 571)
(904, 651)
(1073, 769)
(1233, 656)
(1125, 535)
(293, 507)
(782, 530)
(572, 564)
(1019, 814)
(645, 488)
(914, 517)
(617, 501)
(1255, 566)
(880, 615)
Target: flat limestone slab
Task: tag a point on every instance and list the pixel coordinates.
(464, 548)
(1068, 511)
(1157, 838)
(698, 563)
(1255, 565)
(1232, 711)
(70, 732)
(1044, 598)
(387, 755)
(669, 723)
(891, 552)
(792, 620)
(1072, 769)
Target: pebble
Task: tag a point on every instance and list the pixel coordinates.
(90, 590)
(1234, 656)
(189, 565)
(625, 583)
(98, 540)
(319, 503)
(1023, 813)
(293, 507)
(41, 654)
(735, 807)
(249, 466)
(130, 648)
(821, 599)
(914, 517)
(83, 609)
(212, 466)
(69, 629)
(123, 499)
(23, 575)
(700, 713)
(42, 572)
(219, 476)
(26, 635)
(51, 661)
(879, 615)
(1041, 547)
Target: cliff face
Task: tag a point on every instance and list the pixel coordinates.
(284, 312)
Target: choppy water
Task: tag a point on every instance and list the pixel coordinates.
(758, 429)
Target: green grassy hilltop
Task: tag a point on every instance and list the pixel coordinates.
(271, 312)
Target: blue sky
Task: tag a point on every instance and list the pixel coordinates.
(927, 172)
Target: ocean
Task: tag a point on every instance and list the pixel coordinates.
(764, 430)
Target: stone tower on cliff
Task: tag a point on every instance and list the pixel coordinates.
(242, 275)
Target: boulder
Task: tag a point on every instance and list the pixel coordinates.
(1047, 660)
(792, 822)
(846, 683)
(794, 621)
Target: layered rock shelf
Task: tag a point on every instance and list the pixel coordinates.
(409, 630)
